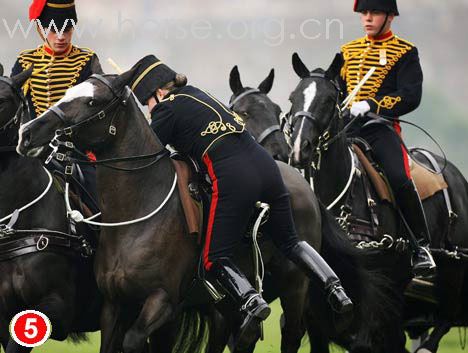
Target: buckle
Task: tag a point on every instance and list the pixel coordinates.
(69, 144)
(101, 115)
(69, 170)
(68, 131)
(112, 130)
(60, 157)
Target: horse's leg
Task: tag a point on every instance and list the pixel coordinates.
(4, 335)
(112, 328)
(219, 333)
(163, 340)
(14, 347)
(293, 288)
(318, 343)
(155, 312)
(431, 345)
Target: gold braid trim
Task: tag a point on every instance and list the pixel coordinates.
(360, 55)
(215, 127)
(52, 75)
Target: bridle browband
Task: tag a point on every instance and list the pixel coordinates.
(268, 131)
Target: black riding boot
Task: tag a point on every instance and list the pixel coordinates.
(413, 212)
(251, 304)
(310, 261)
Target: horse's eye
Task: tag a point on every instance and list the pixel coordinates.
(91, 103)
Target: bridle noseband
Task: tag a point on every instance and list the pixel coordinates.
(265, 133)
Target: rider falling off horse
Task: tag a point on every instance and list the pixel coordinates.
(394, 89)
(241, 173)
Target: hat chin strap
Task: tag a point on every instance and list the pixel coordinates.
(383, 26)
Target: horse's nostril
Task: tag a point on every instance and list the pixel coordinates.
(26, 137)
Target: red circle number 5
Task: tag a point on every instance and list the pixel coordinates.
(30, 328)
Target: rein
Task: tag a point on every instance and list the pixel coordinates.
(268, 131)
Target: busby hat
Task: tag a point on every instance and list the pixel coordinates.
(387, 6)
(150, 75)
(59, 11)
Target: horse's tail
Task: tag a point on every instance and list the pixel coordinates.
(193, 332)
(370, 291)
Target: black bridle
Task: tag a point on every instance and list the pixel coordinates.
(68, 131)
(265, 133)
(325, 139)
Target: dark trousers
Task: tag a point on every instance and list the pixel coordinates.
(389, 153)
(242, 173)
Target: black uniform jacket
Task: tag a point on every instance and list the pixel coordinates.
(395, 88)
(192, 121)
(53, 75)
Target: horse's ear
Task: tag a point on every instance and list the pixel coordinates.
(22, 77)
(299, 67)
(1, 70)
(124, 79)
(235, 81)
(334, 70)
(265, 86)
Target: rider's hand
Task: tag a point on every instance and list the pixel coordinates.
(360, 108)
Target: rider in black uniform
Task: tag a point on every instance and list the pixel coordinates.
(393, 90)
(242, 173)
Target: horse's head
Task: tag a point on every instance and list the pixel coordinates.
(11, 95)
(313, 107)
(261, 115)
(85, 115)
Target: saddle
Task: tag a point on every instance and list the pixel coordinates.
(427, 182)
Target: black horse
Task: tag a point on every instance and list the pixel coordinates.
(260, 113)
(262, 118)
(41, 265)
(145, 270)
(318, 137)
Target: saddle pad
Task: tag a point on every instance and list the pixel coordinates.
(190, 206)
(427, 182)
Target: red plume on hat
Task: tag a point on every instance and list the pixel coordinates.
(36, 9)
(355, 5)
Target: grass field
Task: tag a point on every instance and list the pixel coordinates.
(450, 344)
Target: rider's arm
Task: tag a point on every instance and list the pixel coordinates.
(93, 66)
(17, 69)
(163, 123)
(406, 98)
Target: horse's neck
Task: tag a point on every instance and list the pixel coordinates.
(335, 167)
(22, 180)
(124, 194)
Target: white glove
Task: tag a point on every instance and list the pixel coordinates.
(360, 108)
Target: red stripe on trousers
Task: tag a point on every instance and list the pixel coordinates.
(214, 202)
(397, 127)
